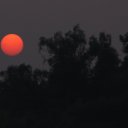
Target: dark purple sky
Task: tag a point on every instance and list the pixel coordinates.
(34, 18)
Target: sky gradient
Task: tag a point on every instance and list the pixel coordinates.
(32, 19)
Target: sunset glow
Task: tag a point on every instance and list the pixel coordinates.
(12, 44)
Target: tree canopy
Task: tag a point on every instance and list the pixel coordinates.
(85, 77)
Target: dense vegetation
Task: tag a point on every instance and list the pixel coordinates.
(86, 85)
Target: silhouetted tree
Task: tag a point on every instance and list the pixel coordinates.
(105, 65)
(124, 64)
(68, 61)
(86, 81)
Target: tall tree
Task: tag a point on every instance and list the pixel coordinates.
(106, 63)
(67, 57)
(124, 65)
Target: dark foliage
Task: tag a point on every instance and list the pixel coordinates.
(86, 85)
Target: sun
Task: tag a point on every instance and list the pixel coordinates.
(12, 44)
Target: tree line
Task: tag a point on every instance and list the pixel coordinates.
(80, 72)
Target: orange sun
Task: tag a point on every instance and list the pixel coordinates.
(12, 44)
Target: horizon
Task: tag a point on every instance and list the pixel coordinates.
(44, 18)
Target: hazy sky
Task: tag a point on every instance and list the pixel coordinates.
(35, 18)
